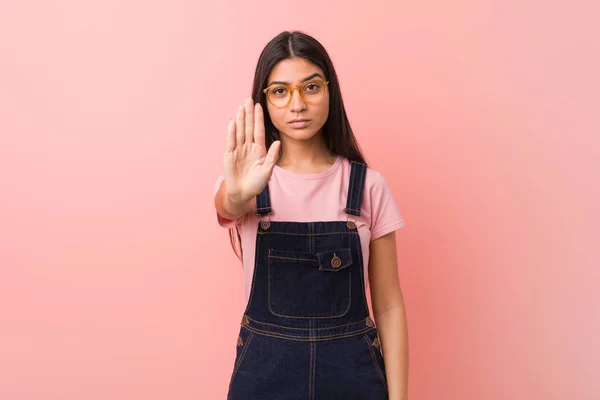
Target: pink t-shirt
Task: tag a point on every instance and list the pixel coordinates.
(320, 197)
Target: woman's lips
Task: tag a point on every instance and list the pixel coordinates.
(300, 124)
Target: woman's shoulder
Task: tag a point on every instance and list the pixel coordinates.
(373, 177)
(380, 207)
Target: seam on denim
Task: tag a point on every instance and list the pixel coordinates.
(351, 185)
(308, 339)
(268, 283)
(361, 187)
(293, 258)
(306, 329)
(308, 234)
(252, 286)
(310, 361)
(314, 368)
(312, 238)
(313, 344)
(242, 356)
(362, 275)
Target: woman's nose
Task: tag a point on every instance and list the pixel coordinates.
(297, 104)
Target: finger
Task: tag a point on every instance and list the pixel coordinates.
(259, 125)
(249, 111)
(230, 136)
(239, 127)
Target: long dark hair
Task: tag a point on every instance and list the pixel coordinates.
(337, 133)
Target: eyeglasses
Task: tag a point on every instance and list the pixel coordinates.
(281, 95)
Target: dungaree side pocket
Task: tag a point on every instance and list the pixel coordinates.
(243, 343)
(372, 340)
(309, 285)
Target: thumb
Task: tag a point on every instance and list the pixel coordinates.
(272, 154)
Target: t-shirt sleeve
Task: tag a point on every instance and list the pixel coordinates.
(385, 216)
(224, 222)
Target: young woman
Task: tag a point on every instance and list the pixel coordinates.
(314, 225)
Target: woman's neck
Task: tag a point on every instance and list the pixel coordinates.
(305, 156)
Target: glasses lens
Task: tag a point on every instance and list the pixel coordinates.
(313, 91)
(279, 95)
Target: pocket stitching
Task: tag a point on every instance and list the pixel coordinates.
(311, 257)
(324, 266)
(243, 354)
(292, 258)
(375, 361)
(270, 257)
(289, 254)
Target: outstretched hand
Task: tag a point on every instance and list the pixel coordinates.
(247, 164)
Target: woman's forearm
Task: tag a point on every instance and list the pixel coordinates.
(393, 336)
(231, 208)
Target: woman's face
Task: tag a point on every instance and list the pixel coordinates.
(296, 71)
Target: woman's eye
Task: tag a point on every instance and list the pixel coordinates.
(311, 87)
(279, 91)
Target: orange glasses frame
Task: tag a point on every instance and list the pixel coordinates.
(292, 88)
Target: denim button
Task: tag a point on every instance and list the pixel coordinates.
(336, 261)
(376, 342)
(351, 225)
(240, 342)
(265, 225)
(245, 320)
(369, 322)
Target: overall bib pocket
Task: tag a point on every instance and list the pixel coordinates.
(309, 285)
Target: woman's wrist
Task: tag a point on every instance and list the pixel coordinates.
(237, 205)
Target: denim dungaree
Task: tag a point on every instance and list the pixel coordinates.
(306, 332)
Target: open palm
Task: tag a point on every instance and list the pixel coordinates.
(247, 164)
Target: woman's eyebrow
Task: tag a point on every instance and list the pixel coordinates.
(303, 80)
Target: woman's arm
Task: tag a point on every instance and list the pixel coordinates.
(232, 208)
(389, 314)
(247, 166)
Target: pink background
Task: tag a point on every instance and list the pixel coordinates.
(117, 283)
